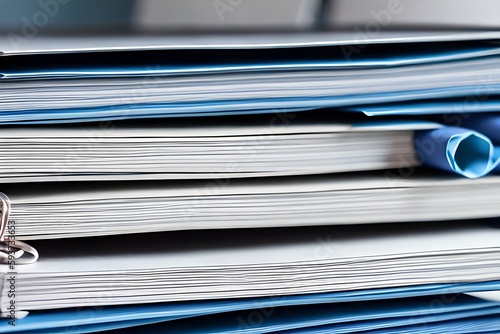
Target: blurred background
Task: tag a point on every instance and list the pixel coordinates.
(229, 15)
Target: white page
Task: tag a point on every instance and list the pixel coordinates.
(183, 151)
(248, 204)
(256, 264)
(246, 250)
(487, 295)
(70, 44)
(378, 181)
(200, 131)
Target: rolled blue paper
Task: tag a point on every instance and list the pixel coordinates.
(489, 125)
(459, 150)
(497, 167)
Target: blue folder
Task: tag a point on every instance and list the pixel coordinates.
(115, 317)
(338, 318)
(356, 103)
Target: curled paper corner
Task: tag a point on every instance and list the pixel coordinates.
(496, 169)
(18, 315)
(462, 151)
(486, 295)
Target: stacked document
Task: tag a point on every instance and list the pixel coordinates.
(334, 312)
(199, 151)
(314, 71)
(232, 276)
(93, 209)
(339, 186)
(256, 263)
(290, 146)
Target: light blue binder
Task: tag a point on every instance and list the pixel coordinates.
(107, 318)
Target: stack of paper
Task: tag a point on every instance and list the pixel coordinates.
(93, 209)
(161, 87)
(194, 151)
(345, 220)
(255, 263)
(338, 312)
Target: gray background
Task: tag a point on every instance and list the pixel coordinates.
(247, 14)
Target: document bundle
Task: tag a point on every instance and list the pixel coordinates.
(338, 186)
(264, 148)
(365, 198)
(234, 78)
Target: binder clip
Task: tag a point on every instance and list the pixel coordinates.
(12, 251)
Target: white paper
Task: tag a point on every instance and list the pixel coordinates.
(234, 265)
(42, 44)
(93, 209)
(203, 151)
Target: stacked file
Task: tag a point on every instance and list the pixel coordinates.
(205, 151)
(257, 264)
(332, 191)
(313, 72)
(93, 209)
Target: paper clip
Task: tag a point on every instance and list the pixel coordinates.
(12, 251)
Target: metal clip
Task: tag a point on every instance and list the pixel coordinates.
(12, 251)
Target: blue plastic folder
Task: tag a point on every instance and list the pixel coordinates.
(464, 323)
(481, 324)
(164, 70)
(340, 318)
(108, 318)
(125, 107)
